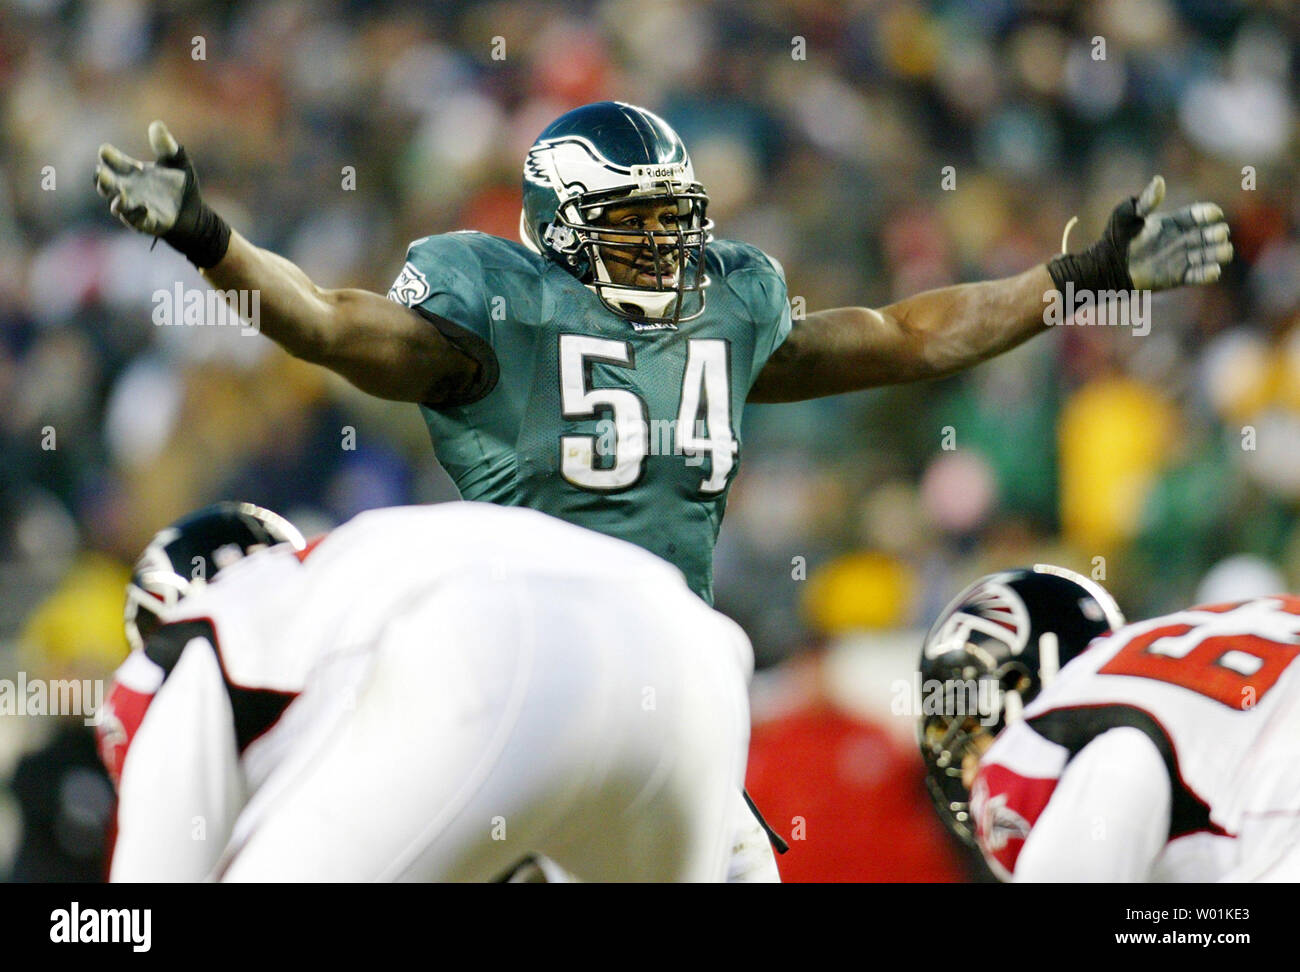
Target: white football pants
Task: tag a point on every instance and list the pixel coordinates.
(603, 724)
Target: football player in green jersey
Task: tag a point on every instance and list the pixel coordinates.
(596, 370)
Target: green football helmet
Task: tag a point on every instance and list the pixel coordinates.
(612, 153)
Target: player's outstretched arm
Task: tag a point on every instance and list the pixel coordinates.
(381, 347)
(942, 331)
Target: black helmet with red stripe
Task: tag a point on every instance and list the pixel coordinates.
(990, 652)
(183, 557)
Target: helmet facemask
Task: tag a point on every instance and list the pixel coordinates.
(149, 597)
(675, 257)
(610, 154)
(989, 654)
(980, 698)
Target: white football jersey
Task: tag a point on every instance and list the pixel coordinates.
(281, 627)
(1166, 751)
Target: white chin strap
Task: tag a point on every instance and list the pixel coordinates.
(1012, 707)
(650, 304)
(526, 237)
(1049, 657)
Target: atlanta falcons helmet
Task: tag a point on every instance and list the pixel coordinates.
(182, 558)
(611, 153)
(996, 645)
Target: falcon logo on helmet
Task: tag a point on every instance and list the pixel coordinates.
(1012, 631)
(609, 154)
(185, 556)
(991, 609)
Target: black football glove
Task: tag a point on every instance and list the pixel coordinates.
(1144, 250)
(162, 198)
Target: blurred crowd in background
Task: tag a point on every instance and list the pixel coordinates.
(1166, 465)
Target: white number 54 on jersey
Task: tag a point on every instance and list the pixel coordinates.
(705, 382)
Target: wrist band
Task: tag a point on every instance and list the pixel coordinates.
(199, 234)
(205, 243)
(1104, 265)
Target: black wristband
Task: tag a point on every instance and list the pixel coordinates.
(1104, 265)
(206, 241)
(199, 234)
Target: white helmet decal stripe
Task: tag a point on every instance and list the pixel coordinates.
(571, 165)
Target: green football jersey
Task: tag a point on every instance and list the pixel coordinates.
(626, 428)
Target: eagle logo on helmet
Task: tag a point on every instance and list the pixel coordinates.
(571, 165)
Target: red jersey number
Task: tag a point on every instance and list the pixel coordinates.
(1234, 659)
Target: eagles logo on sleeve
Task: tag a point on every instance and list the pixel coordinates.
(410, 288)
